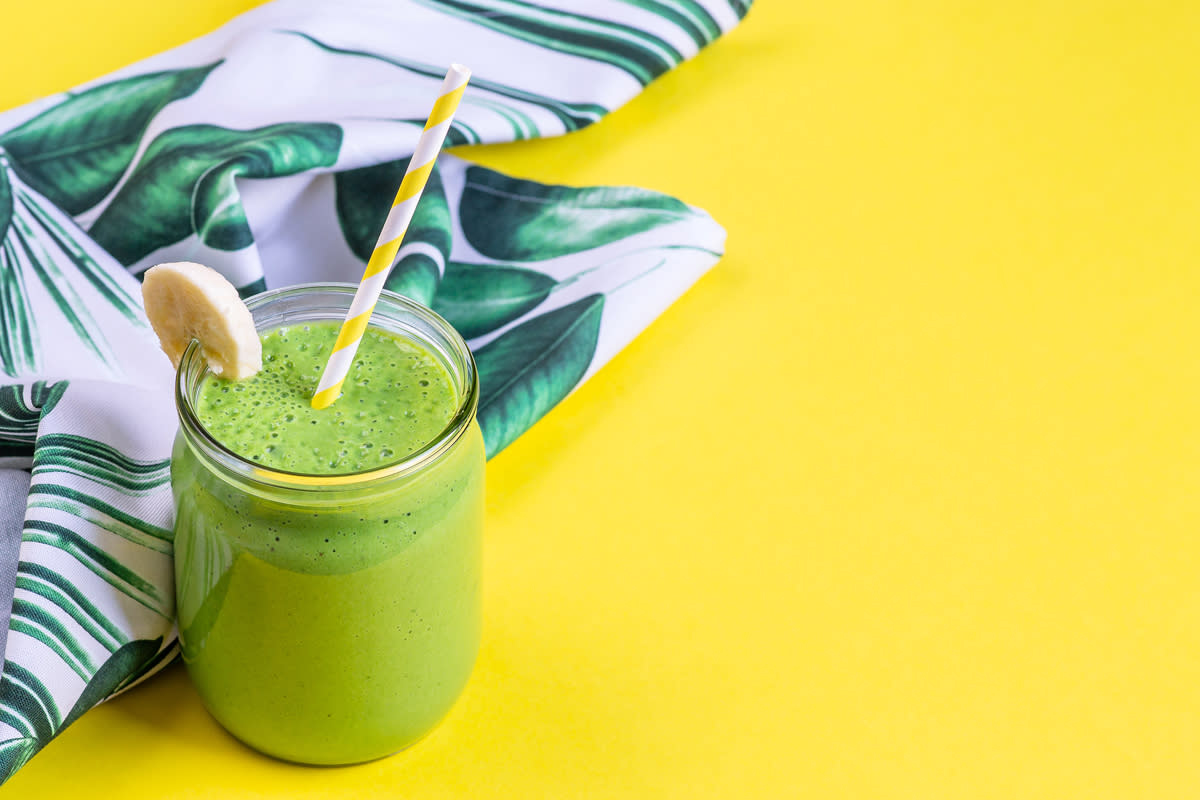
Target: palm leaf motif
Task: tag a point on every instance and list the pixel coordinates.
(363, 200)
(253, 288)
(537, 359)
(184, 184)
(32, 255)
(93, 574)
(572, 115)
(509, 219)
(102, 563)
(529, 369)
(75, 153)
(40, 581)
(59, 455)
(42, 247)
(35, 621)
(62, 237)
(15, 752)
(28, 705)
(18, 346)
(67, 159)
(30, 709)
(79, 535)
(99, 462)
(6, 202)
(101, 514)
(126, 664)
(639, 53)
(520, 124)
(20, 417)
(689, 15)
(480, 298)
(740, 7)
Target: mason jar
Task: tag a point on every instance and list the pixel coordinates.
(331, 619)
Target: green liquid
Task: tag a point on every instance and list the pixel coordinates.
(397, 397)
(342, 628)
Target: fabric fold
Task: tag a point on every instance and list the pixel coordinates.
(269, 150)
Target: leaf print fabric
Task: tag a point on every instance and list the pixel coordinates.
(271, 150)
(515, 220)
(479, 298)
(526, 371)
(149, 212)
(75, 153)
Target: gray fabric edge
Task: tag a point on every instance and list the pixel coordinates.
(14, 492)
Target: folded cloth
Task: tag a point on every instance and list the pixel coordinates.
(270, 150)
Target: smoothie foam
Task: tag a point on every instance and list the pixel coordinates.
(397, 397)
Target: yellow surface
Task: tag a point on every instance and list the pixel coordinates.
(902, 500)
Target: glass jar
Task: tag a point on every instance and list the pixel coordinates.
(331, 619)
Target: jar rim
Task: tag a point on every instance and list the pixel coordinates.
(252, 472)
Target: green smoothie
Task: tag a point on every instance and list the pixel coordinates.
(396, 399)
(337, 623)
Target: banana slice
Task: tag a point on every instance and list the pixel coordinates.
(187, 301)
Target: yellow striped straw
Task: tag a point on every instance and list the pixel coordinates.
(380, 263)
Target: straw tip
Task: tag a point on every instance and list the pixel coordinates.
(460, 71)
(325, 397)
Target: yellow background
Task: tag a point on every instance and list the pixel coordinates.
(901, 500)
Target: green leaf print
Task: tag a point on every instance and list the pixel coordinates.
(99, 462)
(38, 623)
(526, 371)
(643, 55)
(184, 184)
(459, 133)
(572, 115)
(46, 395)
(102, 563)
(252, 288)
(364, 197)
(30, 709)
(88, 267)
(521, 124)
(101, 514)
(30, 253)
(508, 219)
(18, 346)
(28, 705)
(54, 589)
(688, 15)
(740, 7)
(6, 197)
(77, 151)
(415, 277)
(162, 659)
(479, 298)
(42, 245)
(129, 660)
(19, 420)
(14, 753)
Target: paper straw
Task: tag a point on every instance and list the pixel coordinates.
(394, 227)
